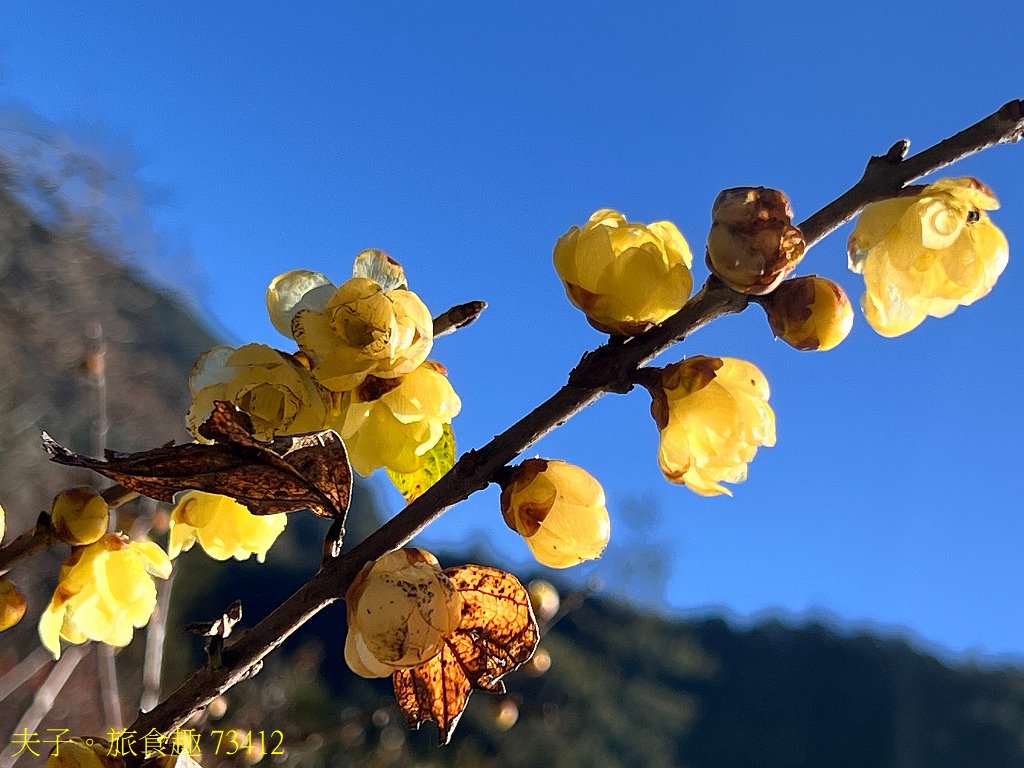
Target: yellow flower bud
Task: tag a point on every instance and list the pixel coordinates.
(400, 610)
(809, 313)
(83, 753)
(223, 527)
(12, 604)
(80, 516)
(393, 422)
(365, 330)
(105, 590)
(926, 253)
(278, 394)
(559, 509)
(712, 414)
(3, 523)
(625, 276)
(753, 245)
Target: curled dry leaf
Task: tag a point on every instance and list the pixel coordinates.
(497, 634)
(290, 473)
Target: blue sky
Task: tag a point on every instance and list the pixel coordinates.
(463, 139)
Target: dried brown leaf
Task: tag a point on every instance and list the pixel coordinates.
(291, 473)
(498, 633)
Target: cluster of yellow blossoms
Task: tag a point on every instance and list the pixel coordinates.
(361, 368)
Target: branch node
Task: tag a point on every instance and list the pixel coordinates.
(217, 631)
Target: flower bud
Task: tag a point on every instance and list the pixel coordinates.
(753, 245)
(3, 524)
(223, 527)
(809, 313)
(712, 414)
(559, 509)
(625, 276)
(400, 610)
(80, 516)
(12, 604)
(927, 252)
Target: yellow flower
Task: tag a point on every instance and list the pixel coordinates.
(753, 245)
(80, 515)
(625, 276)
(393, 422)
(364, 330)
(400, 609)
(927, 253)
(223, 527)
(83, 753)
(809, 313)
(3, 523)
(12, 605)
(712, 413)
(105, 590)
(559, 509)
(278, 394)
(294, 291)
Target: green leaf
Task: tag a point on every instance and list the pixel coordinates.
(381, 268)
(437, 461)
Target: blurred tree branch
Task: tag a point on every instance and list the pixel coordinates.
(609, 368)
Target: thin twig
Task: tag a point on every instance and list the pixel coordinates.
(156, 632)
(43, 701)
(606, 369)
(23, 671)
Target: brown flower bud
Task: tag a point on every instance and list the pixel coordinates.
(753, 245)
(809, 313)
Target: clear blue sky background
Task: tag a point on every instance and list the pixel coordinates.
(464, 138)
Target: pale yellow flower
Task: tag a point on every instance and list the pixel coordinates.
(393, 422)
(80, 515)
(713, 414)
(364, 330)
(927, 253)
(83, 753)
(12, 604)
(559, 510)
(105, 590)
(223, 527)
(625, 276)
(273, 388)
(809, 313)
(400, 610)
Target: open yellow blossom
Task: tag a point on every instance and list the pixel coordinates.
(926, 253)
(400, 609)
(393, 422)
(12, 604)
(364, 330)
(105, 590)
(294, 291)
(558, 509)
(713, 414)
(80, 515)
(223, 527)
(625, 276)
(809, 313)
(276, 391)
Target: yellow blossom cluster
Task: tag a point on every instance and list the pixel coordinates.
(361, 368)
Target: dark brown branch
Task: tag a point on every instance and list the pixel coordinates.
(457, 317)
(606, 369)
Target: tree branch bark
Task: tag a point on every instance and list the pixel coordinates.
(606, 369)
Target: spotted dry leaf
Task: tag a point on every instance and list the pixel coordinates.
(498, 633)
(290, 473)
